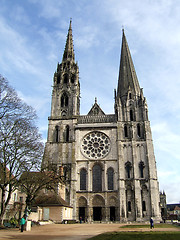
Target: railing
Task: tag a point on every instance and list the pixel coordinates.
(97, 119)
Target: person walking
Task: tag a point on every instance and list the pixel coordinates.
(151, 223)
(22, 223)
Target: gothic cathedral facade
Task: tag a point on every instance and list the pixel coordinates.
(107, 159)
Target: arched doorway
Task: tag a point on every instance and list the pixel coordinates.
(82, 209)
(98, 208)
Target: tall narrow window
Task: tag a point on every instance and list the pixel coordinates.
(125, 131)
(58, 79)
(97, 178)
(64, 100)
(67, 133)
(56, 134)
(143, 205)
(138, 130)
(110, 173)
(129, 206)
(128, 169)
(73, 78)
(141, 168)
(66, 78)
(131, 115)
(83, 176)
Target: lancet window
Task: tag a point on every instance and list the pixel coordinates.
(67, 134)
(141, 169)
(64, 100)
(56, 134)
(110, 178)
(138, 130)
(131, 115)
(125, 131)
(128, 167)
(83, 179)
(97, 178)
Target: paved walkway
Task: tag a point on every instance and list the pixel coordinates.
(68, 231)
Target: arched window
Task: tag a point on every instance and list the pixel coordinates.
(131, 115)
(128, 167)
(67, 133)
(141, 169)
(64, 100)
(83, 177)
(97, 178)
(125, 131)
(129, 206)
(56, 134)
(138, 130)
(110, 178)
(65, 78)
(130, 96)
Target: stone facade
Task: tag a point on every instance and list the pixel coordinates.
(108, 160)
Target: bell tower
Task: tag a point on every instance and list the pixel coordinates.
(66, 88)
(138, 184)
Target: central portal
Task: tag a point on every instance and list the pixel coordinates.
(97, 213)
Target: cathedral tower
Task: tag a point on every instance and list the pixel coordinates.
(108, 159)
(138, 185)
(60, 146)
(66, 89)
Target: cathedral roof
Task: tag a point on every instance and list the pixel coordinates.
(127, 75)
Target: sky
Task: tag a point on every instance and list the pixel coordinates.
(32, 40)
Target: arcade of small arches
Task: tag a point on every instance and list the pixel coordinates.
(104, 206)
(128, 131)
(66, 78)
(97, 208)
(66, 134)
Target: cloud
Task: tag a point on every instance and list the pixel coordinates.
(48, 9)
(16, 52)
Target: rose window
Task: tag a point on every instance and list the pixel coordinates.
(95, 145)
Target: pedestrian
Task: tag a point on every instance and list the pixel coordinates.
(22, 223)
(151, 223)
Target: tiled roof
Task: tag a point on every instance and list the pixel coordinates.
(50, 199)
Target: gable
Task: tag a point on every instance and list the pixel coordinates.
(96, 110)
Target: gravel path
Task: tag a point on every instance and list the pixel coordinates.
(69, 231)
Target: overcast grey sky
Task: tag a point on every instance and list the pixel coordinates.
(32, 40)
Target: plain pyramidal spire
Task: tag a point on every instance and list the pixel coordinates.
(127, 74)
(69, 48)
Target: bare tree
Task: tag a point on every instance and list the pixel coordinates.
(32, 184)
(21, 147)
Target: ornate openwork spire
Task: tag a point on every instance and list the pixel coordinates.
(69, 48)
(127, 74)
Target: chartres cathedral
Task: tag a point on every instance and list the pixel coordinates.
(107, 159)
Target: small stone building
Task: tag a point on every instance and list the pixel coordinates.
(108, 159)
(51, 207)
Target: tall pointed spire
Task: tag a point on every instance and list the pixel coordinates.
(69, 48)
(127, 74)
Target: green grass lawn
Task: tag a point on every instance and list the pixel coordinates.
(138, 236)
(158, 225)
